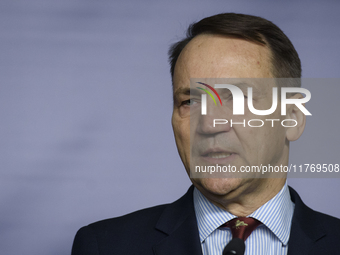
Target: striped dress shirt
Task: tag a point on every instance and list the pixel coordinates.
(269, 238)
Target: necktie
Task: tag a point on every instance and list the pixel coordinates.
(242, 227)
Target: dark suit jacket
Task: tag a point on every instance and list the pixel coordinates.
(172, 230)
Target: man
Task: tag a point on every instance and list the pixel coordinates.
(250, 49)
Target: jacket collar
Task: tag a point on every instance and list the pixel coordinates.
(306, 230)
(178, 222)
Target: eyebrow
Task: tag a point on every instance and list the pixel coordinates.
(193, 91)
(186, 92)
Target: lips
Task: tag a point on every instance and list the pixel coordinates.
(217, 154)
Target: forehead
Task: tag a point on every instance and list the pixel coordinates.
(215, 56)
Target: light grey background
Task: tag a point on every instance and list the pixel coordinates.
(85, 108)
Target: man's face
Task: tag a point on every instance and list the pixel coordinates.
(213, 56)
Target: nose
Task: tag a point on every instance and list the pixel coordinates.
(216, 120)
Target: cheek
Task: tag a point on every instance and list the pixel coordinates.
(182, 132)
(262, 143)
(271, 143)
(181, 129)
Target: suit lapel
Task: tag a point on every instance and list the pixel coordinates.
(179, 222)
(305, 230)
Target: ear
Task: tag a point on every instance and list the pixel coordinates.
(293, 112)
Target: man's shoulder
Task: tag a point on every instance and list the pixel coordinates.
(119, 234)
(329, 224)
(143, 228)
(312, 230)
(305, 213)
(147, 216)
(327, 220)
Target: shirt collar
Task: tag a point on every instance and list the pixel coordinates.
(276, 215)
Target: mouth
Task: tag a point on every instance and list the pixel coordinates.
(217, 155)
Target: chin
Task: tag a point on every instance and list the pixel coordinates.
(217, 186)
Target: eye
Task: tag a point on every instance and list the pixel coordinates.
(189, 102)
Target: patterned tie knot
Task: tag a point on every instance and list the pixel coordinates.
(242, 227)
(239, 224)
